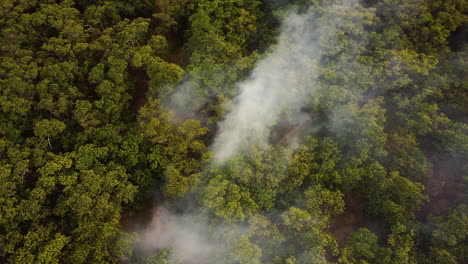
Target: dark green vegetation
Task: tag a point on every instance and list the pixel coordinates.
(85, 136)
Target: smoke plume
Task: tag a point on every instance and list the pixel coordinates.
(185, 235)
(189, 237)
(279, 85)
(282, 83)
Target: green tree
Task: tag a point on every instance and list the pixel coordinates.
(362, 247)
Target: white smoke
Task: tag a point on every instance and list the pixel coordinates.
(188, 237)
(279, 86)
(280, 83)
(185, 235)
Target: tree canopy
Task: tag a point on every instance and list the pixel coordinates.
(104, 103)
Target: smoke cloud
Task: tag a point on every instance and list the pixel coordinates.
(185, 235)
(279, 86)
(282, 83)
(189, 237)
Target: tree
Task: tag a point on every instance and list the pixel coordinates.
(397, 198)
(229, 201)
(307, 235)
(176, 151)
(45, 129)
(362, 247)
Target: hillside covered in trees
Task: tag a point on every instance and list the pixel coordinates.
(233, 131)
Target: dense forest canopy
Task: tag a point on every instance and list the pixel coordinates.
(233, 131)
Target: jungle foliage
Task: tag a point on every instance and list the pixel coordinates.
(85, 134)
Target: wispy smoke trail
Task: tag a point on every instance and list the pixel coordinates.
(279, 86)
(280, 83)
(185, 235)
(189, 237)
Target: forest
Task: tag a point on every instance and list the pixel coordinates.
(233, 131)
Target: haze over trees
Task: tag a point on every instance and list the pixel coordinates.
(106, 104)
